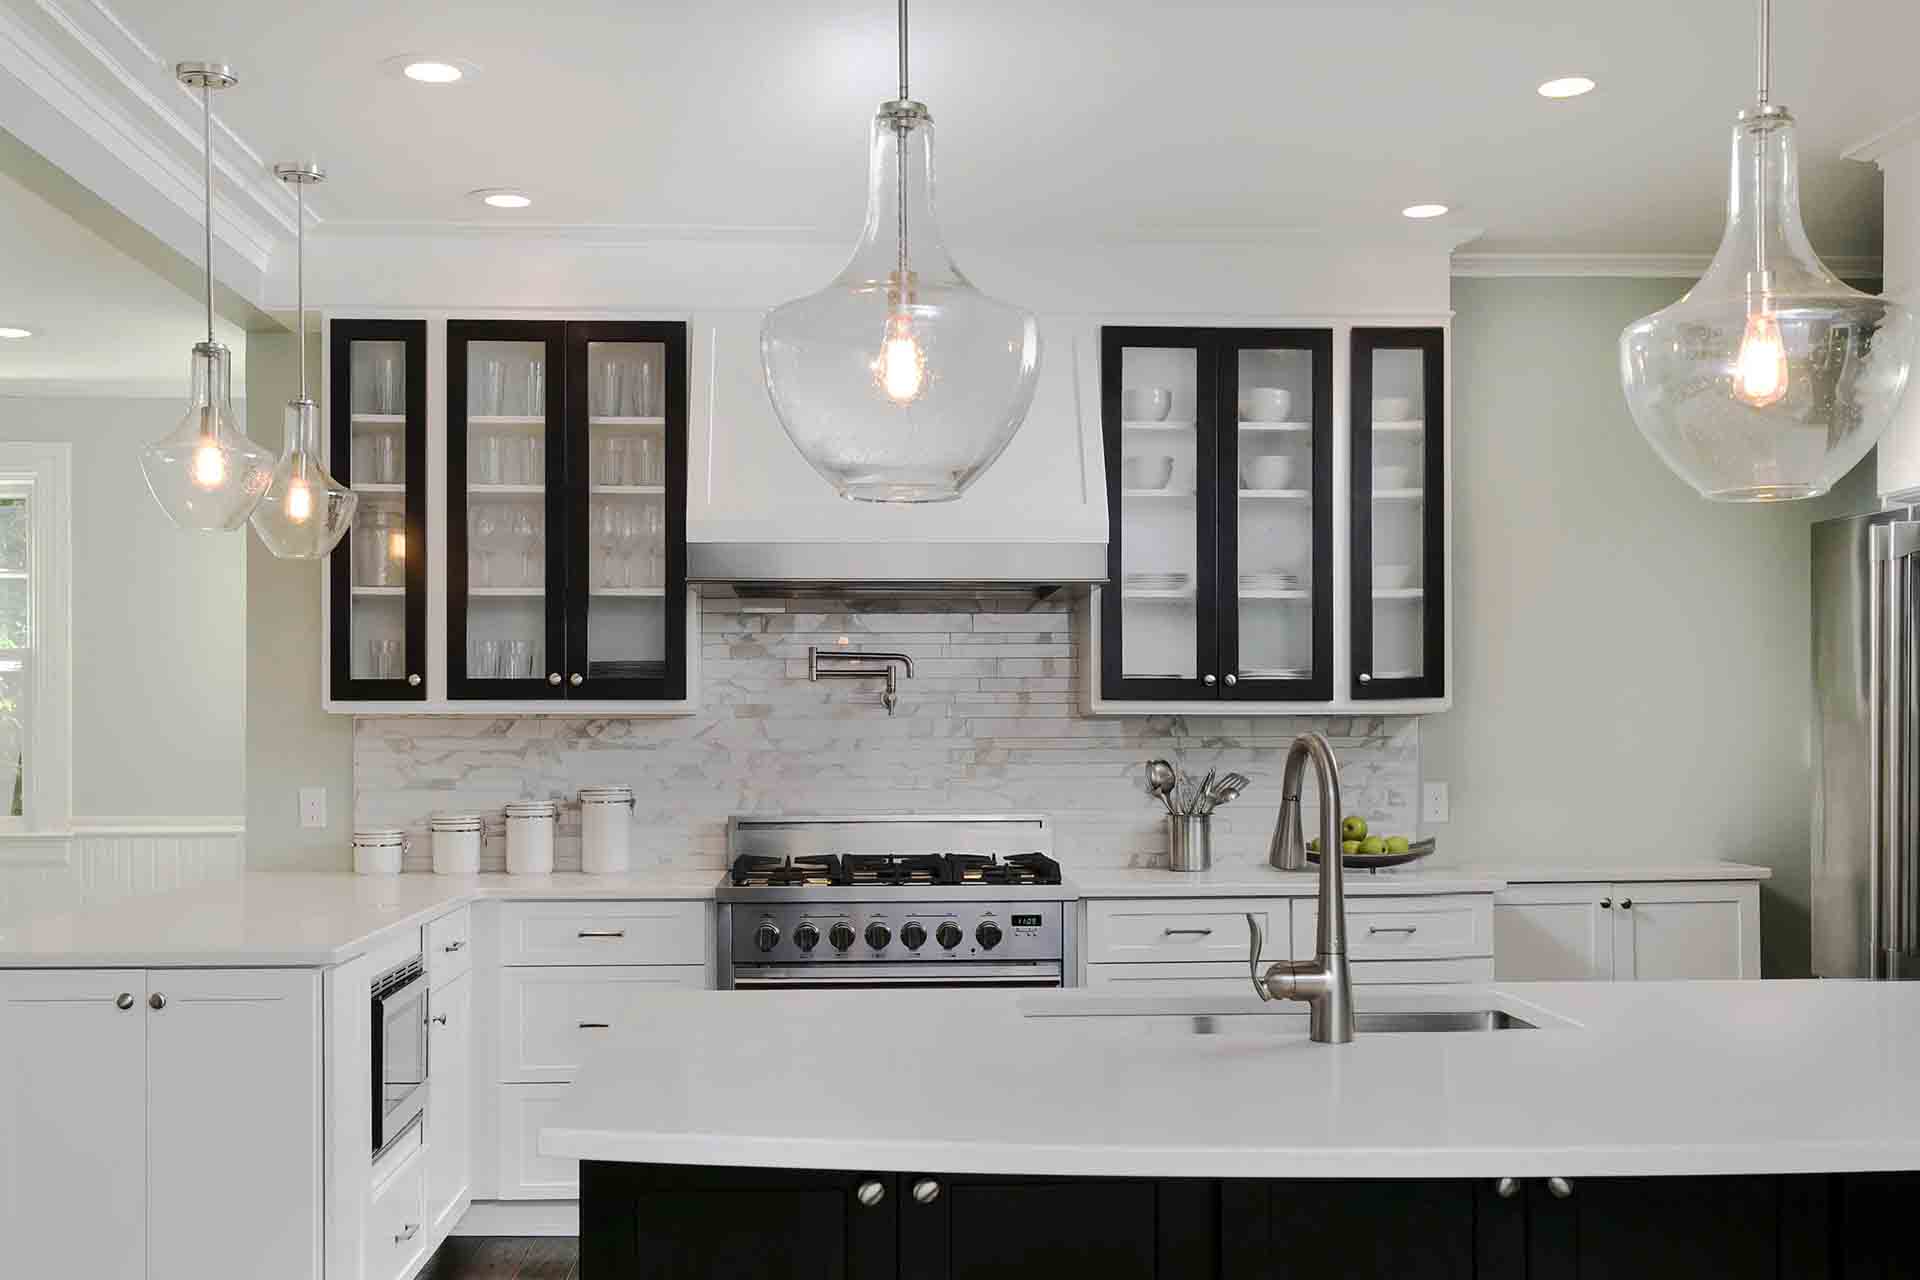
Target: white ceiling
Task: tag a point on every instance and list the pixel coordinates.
(1076, 118)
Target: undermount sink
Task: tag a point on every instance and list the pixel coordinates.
(1384, 1022)
(1395, 1012)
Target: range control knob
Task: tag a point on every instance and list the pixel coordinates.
(767, 936)
(841, 936)
(948, 935)
(987, 935)
(805, 936)
(878, 935)
(914, 935)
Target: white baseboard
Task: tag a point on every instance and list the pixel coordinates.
(520, 1218)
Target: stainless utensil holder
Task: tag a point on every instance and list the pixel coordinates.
(1189, 841)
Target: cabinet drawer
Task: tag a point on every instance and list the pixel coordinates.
(396, 1221)
(539, 933)
(449, 947)
(1185, 930)
(1441, 927)
(551, 1017)
(525, 1174)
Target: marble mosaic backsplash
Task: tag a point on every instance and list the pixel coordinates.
(989, 723)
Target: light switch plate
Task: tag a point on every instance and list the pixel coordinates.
(313, 807)
(1433, 802)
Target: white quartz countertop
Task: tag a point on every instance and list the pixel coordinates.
(293, 919)
(1619, 1079)
(1258, 880)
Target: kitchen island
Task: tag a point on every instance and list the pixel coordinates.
(1671, 1128)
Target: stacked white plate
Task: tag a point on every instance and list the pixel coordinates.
(1159, 581)
(1270, 580)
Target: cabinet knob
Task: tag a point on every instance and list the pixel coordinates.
(1365, 678)
(1207, 680)
(1606, 904)
(458, 944)
(1232, 680)
(1507, 1188)
(156, 1001)
(553, 677)
(414, 680)
(1626, 904)
(407, 1233)
(1560, 1188)
(576, 679)
(871, 1193)
(124, 1000)
(926, 1191)
(439, 1019)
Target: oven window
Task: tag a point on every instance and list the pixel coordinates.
(403, 1041)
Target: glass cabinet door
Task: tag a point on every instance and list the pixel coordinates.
(1276, 532)
(377, 406)
(626, 413)
(1160, 405)
(507, 568)
(1399, 596)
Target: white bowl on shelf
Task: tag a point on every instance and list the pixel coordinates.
(1146, 404)
(1265, 404)
(1392, 477)
(1147, 471)
(1267, 471)
(1392, 577)
(1392, 408)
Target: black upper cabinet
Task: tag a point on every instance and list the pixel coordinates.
(1219, 456)
(566, 510)
(1399, 514)
(377, 576)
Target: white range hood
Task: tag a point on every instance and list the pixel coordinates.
(758, 515)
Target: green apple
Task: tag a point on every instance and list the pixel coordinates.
(1354, 828)
(1398, 844)
(1349, 846)
(1314, 844)
(1373, 844)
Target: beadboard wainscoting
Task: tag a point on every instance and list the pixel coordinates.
(988, 724)
(108, 859)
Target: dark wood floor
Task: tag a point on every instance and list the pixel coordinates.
(505, 1258)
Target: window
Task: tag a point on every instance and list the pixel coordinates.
(36, 732)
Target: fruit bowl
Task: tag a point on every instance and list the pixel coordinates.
(1376, 861)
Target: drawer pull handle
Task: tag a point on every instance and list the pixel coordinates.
(593, 1026)
(1393, 928)
(439, 1019)
(1198, 933)
(1626, 904)
(411, 1230)
(458, 944)
(603, 933)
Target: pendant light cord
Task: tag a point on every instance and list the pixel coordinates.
(1760, 152)
(903, 50)
(1766, 50)
(300, 275)
(206, 149)
(900, 164)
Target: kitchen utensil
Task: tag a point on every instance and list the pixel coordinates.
(1265, 404)
(1392, 577)
(1146, 404)
(1379, 861)
(1221, 790)
(1200, 793)
(1160, 782)
(1267, 471)
(1392, 408)
(1189, 842)
(1392, 477)
(1147, 471)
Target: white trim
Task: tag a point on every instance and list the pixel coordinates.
(1875, 149)
(97, 388)
(226, 825)
(48, 470)
(519, 1218)
(23, 849)
(1661, 266)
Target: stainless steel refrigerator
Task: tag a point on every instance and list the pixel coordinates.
(1866, 808)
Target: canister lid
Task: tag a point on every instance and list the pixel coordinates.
(532, 809)
(377, 836)
(606, 795)
(454, 822)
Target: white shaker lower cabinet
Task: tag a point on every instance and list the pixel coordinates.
(1623, 931)
(449, 1167)
(161, 1123)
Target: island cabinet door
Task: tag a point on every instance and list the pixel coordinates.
(994, 1228)
(1636, 1228)
(1402, 1230)
(745, 1224)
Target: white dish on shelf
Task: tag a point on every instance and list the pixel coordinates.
(1267, 471)
(1147, 471)
(1265, 404)
(1392, 408)
(1146, 404)
(1392, 577)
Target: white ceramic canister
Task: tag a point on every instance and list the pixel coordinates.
(606, 817)
(377, 851)
(530, 825)
(456, 843)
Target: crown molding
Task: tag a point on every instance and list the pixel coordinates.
(1646, 266)
(1872, 150)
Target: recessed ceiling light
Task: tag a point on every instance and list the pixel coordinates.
(11, 331)
(427, 68)
(1566, 87)
(503, 197)
(1424, 210)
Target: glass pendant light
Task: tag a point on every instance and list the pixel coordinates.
(1770, 379)
(206, 474)
(305, 511)
(900, 381)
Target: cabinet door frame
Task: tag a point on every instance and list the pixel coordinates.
(1744, 896)
(671, 685)
(1432, 682)
(1319, 344)
(460, 334)
(1593, 897)
(341, 682)
(1115, 685)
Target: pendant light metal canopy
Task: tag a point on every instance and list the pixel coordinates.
(900, 381)
(305, 511)
(1770, 379)
(205, 473)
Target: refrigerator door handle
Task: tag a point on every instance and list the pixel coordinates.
(1893, 668)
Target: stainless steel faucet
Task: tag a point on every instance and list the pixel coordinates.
(889, 699)
(1324, 982)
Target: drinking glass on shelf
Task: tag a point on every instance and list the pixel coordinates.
(610, 388)
(657, 547)
(536, 388)
(605, 526)
(486, 458)
(493, 387)
(646, 471)
(616, 468)
(519, 528)
(386, 659)
(386, 468)
(536, 553)
(483, 528)
(626, 539)
(487, 664)
(519, 660)
(387, 382)
(533, 459)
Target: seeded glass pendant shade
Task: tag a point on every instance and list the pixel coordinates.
(900, 381)
(206, 474)
(305, 512)
(1770, 379)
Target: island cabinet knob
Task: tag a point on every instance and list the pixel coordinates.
(124, 1000)
(926, 1191)
(413, 681)
(1606, 904)
(871, 1193)
(1626, 904)
(1507, 1188)
(156, 1001)
(1560, 1188)
(553, 677)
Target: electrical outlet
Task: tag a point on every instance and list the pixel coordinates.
(313, 807)
(1433, 802)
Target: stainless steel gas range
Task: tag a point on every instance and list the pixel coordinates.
(893, 901)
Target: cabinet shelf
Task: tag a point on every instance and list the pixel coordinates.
(630, 593)
(628, 490)
(506, 420)
(1399, 495)
(508, 593)
(1277, 495)
(392, 593)
(374, 486)
(1183, 494)
(1255, 594)
(1412, 428)
(1287, 428)
(506, 490)
(1400, 593)
(1156, 426)
(1162, 597)
(379, 419)
(626, 422)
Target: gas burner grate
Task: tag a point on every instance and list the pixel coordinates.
(751, 869)
(880, 868)
(1018, 868)
(895, 869)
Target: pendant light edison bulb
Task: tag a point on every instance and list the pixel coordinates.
(206, 474)
(900, 381)
(305, 512)
(1770, 379)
